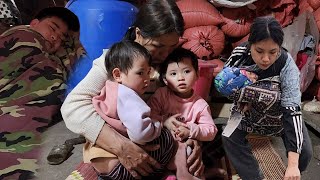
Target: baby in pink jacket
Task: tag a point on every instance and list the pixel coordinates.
(121, 106)
(177, 102)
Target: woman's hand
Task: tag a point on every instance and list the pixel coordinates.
(137, 161)
(292, 172)
(130, 155)
(244, 107)
(194, 161)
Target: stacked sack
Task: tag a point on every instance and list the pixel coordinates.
(311, 6)
(202, 34)
(237, 21)
(210, 28)
(214, 27)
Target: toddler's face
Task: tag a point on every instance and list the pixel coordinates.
(180, 77)
(138, 77)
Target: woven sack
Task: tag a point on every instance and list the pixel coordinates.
(237, 21)
(201, 13)
(207, 42)
(315, 4)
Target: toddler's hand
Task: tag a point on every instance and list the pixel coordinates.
(182, 133)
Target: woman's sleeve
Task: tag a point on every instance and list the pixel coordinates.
(78, 111)
(290, 106)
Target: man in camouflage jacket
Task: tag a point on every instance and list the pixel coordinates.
(34, 64)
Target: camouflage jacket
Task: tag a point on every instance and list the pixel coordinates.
(32, 88)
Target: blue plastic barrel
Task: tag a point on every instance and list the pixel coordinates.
(102, 23)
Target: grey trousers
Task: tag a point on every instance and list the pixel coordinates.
(240, 154)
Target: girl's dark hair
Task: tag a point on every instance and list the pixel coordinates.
(122, 54)
(266, 28)
(177, 56)
(62, 13)
(157, 17)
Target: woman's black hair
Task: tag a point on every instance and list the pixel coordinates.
(157, 17)
(176, 56)
(62, 13)
(266, 27)
(122, 55)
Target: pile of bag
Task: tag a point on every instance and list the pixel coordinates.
(214, 27)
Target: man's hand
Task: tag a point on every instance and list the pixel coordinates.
(137, 161)
(194, 161)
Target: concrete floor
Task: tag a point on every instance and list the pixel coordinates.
(58, 133)
(312, 172)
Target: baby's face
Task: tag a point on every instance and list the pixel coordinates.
(138, 77)
(250, 75)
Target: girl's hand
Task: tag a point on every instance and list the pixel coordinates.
(182, 133)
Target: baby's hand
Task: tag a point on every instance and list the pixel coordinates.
(250, 75)
(182, 133)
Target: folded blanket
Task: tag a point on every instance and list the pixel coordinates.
(32, 87)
